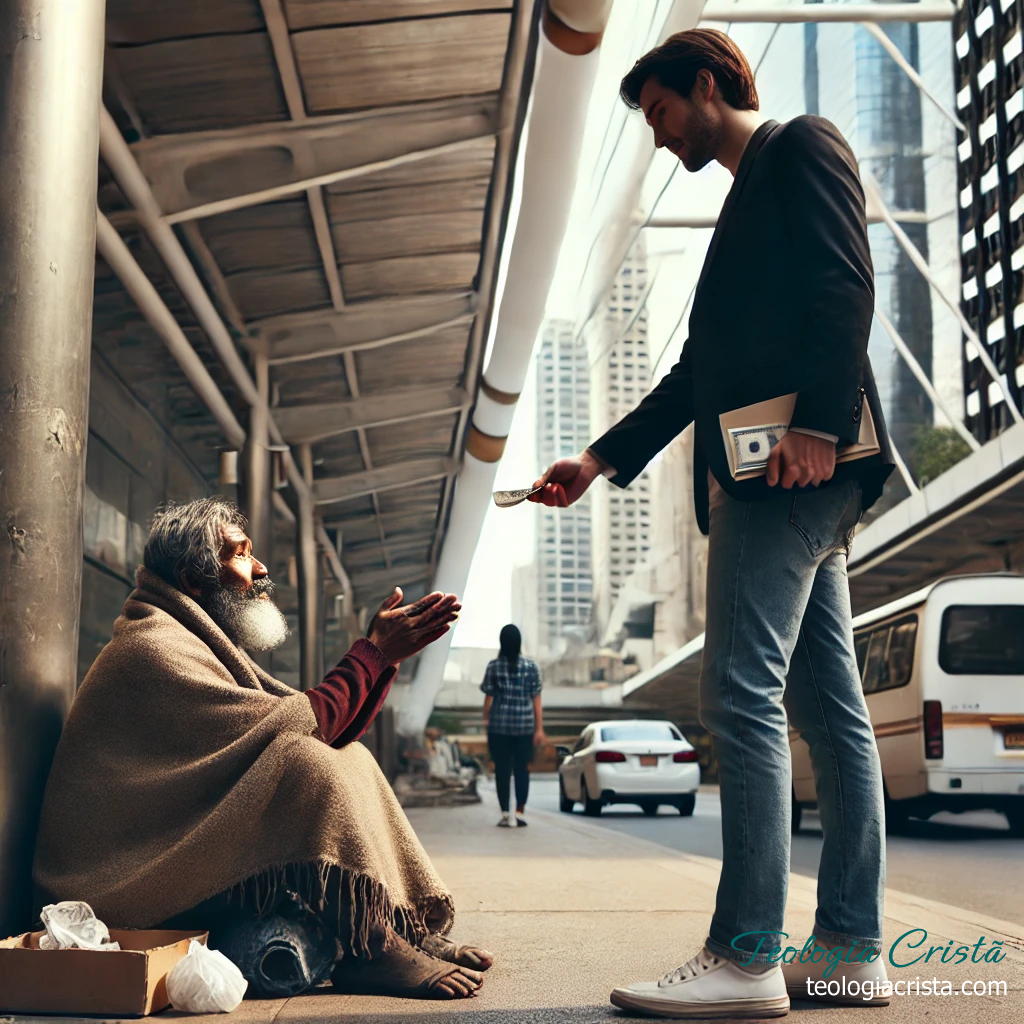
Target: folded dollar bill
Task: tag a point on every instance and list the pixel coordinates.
(751, 446)
(749, 435)
(508, 499)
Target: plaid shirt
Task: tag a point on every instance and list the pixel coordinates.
(513, 691)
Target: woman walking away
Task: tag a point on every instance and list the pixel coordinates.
(512, 718)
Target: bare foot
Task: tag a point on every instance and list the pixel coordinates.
(465, 956)
(404, 970)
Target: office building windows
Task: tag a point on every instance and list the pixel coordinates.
(989, 74)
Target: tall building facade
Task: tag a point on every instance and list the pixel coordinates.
(890, 148)
(564, 576)
(989, 71)
(909, 148)
(620, 377)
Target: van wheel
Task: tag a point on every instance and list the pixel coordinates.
(564, 803)
(1015, 818)
(592, 808)
(686, 804)
(649, 808)
(896, 815)
(798, 813)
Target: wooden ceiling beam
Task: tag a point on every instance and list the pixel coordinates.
(395, 576)
(254, 163)
(272, 193)
(369, 553)
(284, 58)
(376, 323)
(332, 490)
(308, 423)
(357, 529)
(352, 379)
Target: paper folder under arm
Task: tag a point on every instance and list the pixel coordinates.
(749, 434)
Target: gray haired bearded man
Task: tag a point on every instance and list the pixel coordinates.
(191, 789)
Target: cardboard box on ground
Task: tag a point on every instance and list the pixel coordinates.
(130, 982)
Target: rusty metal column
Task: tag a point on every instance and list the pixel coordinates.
(307, 564)
(256, 464)
(51, 68)
(256, 475)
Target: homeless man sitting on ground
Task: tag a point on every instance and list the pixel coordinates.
(191, 789)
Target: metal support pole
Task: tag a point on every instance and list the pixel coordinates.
(120, 259)
(902, 467)
(307, 565)
(922, 378)
(334, 561)
(256, 471)
(257, 463)
(51, 70)
(911, 72)
(745, 12)
(875, 195)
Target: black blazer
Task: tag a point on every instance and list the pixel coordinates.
(784, 304)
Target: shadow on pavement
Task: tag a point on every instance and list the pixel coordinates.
(942, 831)
(423, 1011)
(951, 833)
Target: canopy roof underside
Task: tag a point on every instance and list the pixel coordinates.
(369, 291)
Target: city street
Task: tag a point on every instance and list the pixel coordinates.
(572, 906)
(969, 859)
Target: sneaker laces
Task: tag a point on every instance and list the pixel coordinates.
(693, 968)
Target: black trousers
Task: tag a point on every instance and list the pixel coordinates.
(511, 754)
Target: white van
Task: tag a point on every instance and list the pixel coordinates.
(943, 671)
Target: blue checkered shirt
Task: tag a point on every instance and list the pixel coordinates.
(513, 690)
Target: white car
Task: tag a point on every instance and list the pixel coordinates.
(634, 762)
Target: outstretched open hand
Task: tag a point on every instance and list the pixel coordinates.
(400, 631)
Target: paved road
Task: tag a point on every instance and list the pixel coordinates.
(969, 860)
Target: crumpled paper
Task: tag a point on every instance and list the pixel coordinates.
(73, 925)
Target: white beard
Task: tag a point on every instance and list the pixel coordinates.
(254, 624)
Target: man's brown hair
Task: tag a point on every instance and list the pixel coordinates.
(676, 63)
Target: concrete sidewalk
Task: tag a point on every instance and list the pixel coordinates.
(572, 909)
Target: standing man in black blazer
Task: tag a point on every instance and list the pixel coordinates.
(783, 305)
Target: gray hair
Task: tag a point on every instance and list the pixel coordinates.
(185, 541)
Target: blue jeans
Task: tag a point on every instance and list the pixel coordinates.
(779, 642)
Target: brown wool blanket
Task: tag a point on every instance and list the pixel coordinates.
(185, 771)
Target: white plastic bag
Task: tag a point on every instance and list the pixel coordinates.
(205, 981)
(73, 925)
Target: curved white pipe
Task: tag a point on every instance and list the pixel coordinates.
(472, 495)
(491, 417)
(563, 87)
(561, 94)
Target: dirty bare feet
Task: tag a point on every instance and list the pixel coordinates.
(465, 956)
(403, 970)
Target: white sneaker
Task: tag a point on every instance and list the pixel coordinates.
(708, 987)
(848, 984)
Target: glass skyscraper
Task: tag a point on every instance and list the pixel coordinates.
(620, 378)
(564, 576)
(989, 69)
